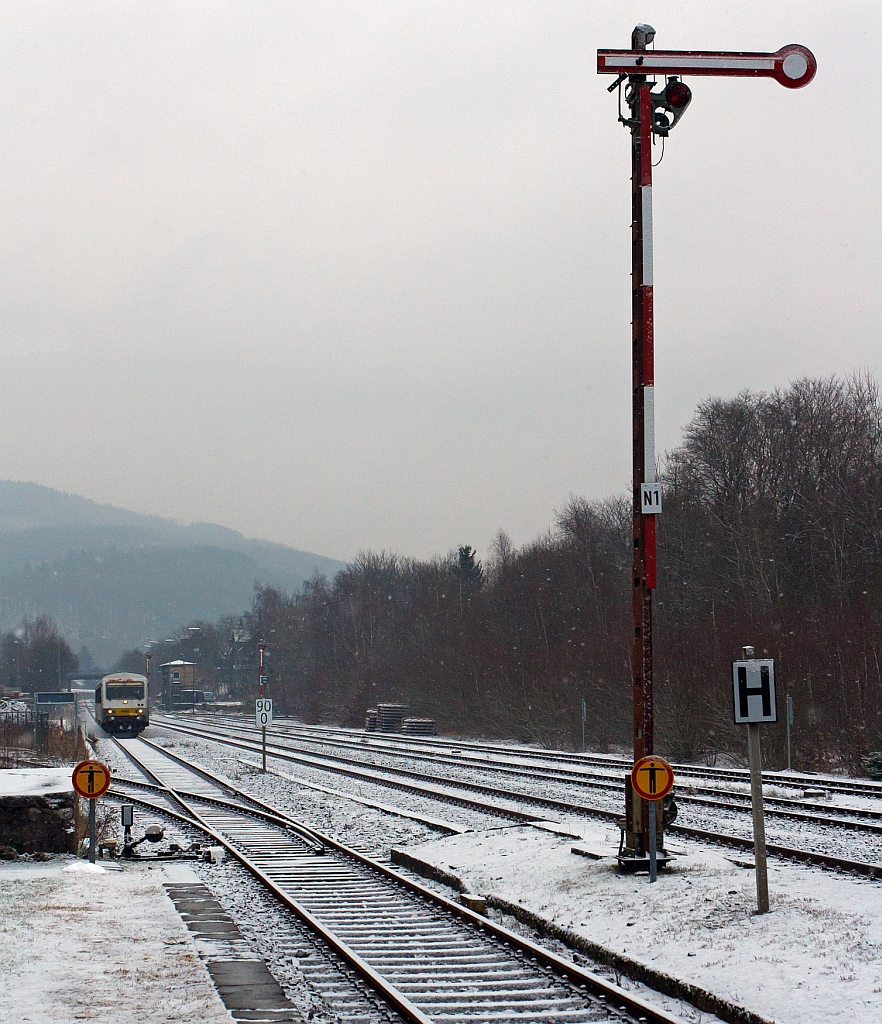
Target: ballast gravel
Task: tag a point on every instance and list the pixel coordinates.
(815, 837)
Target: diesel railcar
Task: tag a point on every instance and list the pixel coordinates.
(121, 704)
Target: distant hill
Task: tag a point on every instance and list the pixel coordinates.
(112, 578)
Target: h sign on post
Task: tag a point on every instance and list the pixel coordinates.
(754, 691)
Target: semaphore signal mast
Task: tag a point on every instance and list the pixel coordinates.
(656, 113)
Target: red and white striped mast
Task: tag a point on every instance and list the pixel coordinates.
(655, 113)
(642, 396)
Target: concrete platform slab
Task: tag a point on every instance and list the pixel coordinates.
(242, 979)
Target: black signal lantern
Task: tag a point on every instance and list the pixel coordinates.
(669, 105)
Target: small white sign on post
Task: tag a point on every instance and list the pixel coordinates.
(263, 712)
(650, 499)
(753, 683)
(754, 691)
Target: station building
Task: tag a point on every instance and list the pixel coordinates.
(178, 683)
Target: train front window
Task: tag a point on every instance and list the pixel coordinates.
(125, 691)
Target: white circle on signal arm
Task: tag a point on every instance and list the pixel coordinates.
(795, 65)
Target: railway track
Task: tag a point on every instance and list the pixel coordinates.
(577, 767)
(830, 784)
(427, 958)
(512, 804)
(866, 820)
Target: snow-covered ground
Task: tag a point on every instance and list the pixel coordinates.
(35, 781)
(814, 836)
(816, 958)
(350, 822)
(807, 835)
(100, 945)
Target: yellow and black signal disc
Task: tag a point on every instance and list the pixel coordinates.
(652, 778)
(91, 779)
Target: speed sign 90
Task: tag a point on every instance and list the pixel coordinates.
(263, 712)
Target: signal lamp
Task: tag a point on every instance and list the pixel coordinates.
(678, 94)
(674, 99)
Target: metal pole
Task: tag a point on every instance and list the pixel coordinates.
(652, 850)
(789, 723)
(643, 419)
(194, 650)
(584, 710)
(260, 694)
(759, 825)
(92, 831)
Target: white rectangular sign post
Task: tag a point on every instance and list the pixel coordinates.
(753, 691)
(753, 683)
(650, 499)
(263, 717)
(263, 712)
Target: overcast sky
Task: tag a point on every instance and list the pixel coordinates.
(356, 275)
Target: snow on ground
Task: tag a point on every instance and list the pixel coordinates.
(35, 781)
(816, 957)
(806, 835)
(369, 831)
(105, 946)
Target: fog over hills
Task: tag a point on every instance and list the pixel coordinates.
(112, 578)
